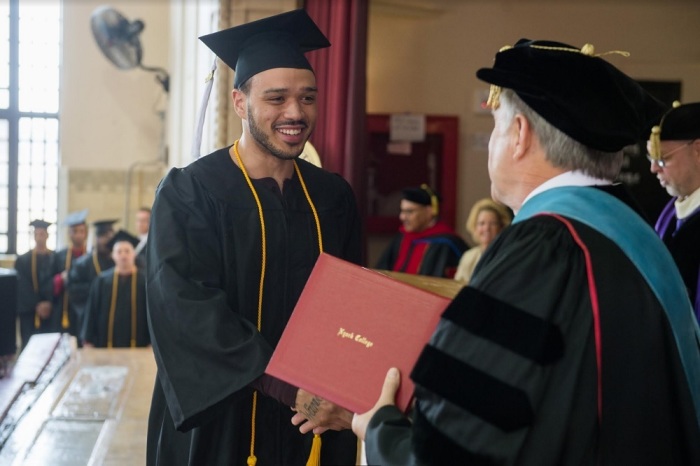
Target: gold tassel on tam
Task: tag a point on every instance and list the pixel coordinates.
(315, 455)
(655, 143)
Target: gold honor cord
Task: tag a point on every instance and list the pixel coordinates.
(65, 320)
(35, 285)
(96, 263)
(252, 459)
(113, 308)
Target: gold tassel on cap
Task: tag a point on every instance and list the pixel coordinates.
(493, 101)
(433, 198)
(315, 455)
(655, 143)
(655, 137)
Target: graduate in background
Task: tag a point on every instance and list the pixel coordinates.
(115, 313)
(64, 262)
(89, 266)
(35, 286)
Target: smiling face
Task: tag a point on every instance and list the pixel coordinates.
(488, 225)
(280, 111)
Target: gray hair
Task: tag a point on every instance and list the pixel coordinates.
(561, 150)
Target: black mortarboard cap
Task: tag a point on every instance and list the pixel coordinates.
(103, 226)
(279, 41)
(76, 218)
(122, 235)
(423, 195)
(582, 95)
(39, 224)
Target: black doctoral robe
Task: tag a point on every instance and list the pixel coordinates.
(96, 320)
(28, 297)
(435, 254)
(80, 277)
(510, 374)
(64, 301)
(204, 267)
(684, 244)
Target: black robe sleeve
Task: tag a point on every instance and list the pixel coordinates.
(510, 374)
(388, 258)
(201, 345)
(93, 309)
(80, 278)
(27, 299)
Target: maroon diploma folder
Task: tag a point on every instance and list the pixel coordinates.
(350, 326)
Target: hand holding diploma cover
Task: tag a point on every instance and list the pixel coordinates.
(350, 325)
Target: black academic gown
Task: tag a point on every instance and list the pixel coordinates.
(28, 296)
(96, 326)
(684, 245)
(510, 374)
(63, 302)
(204, 267)
(80, 277)
(440, 259)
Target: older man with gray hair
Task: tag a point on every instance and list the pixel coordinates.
(575, 342)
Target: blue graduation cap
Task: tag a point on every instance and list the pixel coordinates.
(76, 218)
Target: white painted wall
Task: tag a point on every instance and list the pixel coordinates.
(110, 117)
(423, 55)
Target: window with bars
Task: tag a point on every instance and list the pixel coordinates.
(30, 59)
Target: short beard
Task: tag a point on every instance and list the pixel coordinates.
(264, 140)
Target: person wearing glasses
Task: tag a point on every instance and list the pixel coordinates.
(424, 244)
(674, 153)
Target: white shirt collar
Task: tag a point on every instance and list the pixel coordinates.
(688, 205)
(570, 178)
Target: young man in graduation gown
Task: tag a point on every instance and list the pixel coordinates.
(66, 259)
(574, 343)
(89, 266)
(674, 153)
(424, 245)
(34, 286)
(115, 313)
(233, 239)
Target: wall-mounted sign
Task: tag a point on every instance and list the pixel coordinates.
(407, 127)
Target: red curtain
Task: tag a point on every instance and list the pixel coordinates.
(341, 77)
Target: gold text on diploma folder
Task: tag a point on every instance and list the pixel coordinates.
(342, 333)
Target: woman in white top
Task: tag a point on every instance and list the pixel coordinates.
(486, 220)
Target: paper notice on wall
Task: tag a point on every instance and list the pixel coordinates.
(407, 127)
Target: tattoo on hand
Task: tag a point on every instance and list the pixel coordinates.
(312, 407)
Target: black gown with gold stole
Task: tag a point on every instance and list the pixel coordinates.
(87, 267)
(63, 302)
(34, 284)
(204, 268)
(116, 321)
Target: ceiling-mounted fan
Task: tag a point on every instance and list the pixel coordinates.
(118, 38)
